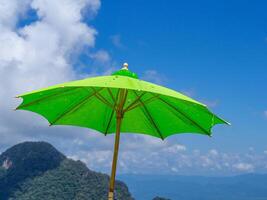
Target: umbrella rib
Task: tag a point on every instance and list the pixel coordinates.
(145, 102)
(75, 106)
(151, 99)
(151, 118)
(134, 103)
(183, 114)
(102, 99)
(46, 97)
(113, 110)
(109, 122)
(110, 93)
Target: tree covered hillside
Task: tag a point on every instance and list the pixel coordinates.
(37, 171)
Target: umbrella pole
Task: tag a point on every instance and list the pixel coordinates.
(119, 116)
(115, 158)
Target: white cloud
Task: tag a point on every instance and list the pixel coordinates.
(175, 148)
(139, 154)
(213, 152)
(244, 167)
(205, 161)
(10, 10)
(174, 169)
(265, 113)
(37, 55)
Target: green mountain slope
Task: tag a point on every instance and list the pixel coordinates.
(37, 171)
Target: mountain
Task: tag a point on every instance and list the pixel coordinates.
(242, 187)
(37, 171)
(160, 198)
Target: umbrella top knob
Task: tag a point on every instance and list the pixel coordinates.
(125, 66)
(124, 71)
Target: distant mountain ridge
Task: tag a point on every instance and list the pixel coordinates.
(37, 171)
(242, 187)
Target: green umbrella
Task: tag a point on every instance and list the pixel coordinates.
(121, 103)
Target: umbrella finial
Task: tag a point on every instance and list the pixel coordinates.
(125, 66)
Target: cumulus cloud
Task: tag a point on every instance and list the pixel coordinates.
(10, 10)
(38, 54)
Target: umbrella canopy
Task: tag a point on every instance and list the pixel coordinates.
(148, 109)
(121, 103)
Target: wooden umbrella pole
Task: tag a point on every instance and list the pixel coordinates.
(119, 116)
(114, 162)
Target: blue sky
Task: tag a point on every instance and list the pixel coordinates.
(214, 51)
